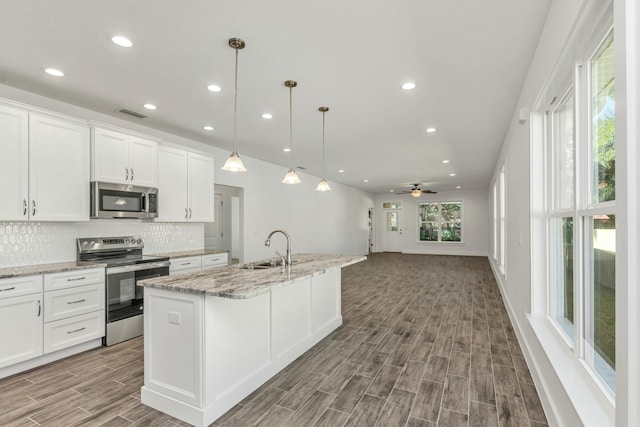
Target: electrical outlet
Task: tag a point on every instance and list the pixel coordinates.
(175, 318)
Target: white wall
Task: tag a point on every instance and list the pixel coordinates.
(332, 222)
(517, 286)
(475, 223)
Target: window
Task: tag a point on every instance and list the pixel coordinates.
(392, 221)
(581, 212)
(495, 221)
(440, 222)
(503, 222)
(392, 205)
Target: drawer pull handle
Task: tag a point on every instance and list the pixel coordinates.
(76, 330)
(76, 279)
(76, 302)
(8, 289)
(186, 263)
(39, 308)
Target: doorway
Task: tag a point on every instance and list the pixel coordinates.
(225, 232)
(370, 222)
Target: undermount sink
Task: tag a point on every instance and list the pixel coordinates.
(262, 265)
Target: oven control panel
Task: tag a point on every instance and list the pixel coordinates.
(100, 244)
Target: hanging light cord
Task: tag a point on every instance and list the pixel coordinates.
(235, 104)
(291, 124)
(323, 177)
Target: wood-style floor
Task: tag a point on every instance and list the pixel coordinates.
(426, 341)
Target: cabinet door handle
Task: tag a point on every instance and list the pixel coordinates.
(76, 330)
(24, 207)
(76, 302)
(34, 206)
(7, 289)
(39, 308)
(189, 212)
(186, 263)
(186, 213)
(75, 279)
(131, 174)
(126, 176)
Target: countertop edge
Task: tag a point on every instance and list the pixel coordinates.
(51, 268)
(255, 289)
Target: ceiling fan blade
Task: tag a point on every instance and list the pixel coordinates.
(429, 192)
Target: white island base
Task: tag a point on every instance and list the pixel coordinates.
(204, 354)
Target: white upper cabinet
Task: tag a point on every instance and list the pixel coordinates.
(59, 160)
(124, 159)
(200, 188)
(14, 164)
(185, 186)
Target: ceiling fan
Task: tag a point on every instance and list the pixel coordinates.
(417, 192)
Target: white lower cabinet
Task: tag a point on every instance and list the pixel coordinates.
(185, 265)
(215, 260)
(74, 308)
(73, 330)
(20, 319)
(197, 263)
(40, 315)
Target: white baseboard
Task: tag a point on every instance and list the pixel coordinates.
(427, 251)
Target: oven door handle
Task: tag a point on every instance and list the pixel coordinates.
(137, 267)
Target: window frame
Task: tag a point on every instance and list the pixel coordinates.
(439, 222)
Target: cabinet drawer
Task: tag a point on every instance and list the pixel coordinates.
(70, 279)
(73, 301)
(190, 263)
(74, 330)
(17, 286)
(212, 261)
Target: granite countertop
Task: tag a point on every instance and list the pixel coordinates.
(235, 282)
(194, 252)
(58, 267)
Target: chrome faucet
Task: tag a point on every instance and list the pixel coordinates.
(287, 260)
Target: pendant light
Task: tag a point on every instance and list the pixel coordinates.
(233, 163)
(292, 176)
(323, 185)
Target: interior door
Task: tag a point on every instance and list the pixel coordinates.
(213, 231)
(392, 230)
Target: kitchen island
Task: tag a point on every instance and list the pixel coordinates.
(212, 337)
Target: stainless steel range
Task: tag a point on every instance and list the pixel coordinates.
(125, 266)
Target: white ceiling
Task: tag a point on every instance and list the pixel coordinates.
(468, 59)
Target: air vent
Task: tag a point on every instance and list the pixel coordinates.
(132, 113)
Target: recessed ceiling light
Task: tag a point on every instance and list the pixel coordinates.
(54, 72)
(121, 41)
(207, 127)
(431, 130)
(452, 174)
(445, 161)
(267, 116)
(150, 107)
(341, 171)
(366, 180)
(458, 187)
(408, 85)
(390, 191)
(286, 150)
(214, 88)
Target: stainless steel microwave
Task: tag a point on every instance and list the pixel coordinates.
(123, 201)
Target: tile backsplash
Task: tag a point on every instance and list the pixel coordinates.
(28, 243)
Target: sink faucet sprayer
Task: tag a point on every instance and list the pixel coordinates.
(267, 243)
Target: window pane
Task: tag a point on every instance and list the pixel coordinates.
(601, 309)
(429, 231)
(603, 122)
(451, 224)
(563, 153)
(392, 205)
(429, 212)
(392, 221)
(562, 302)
